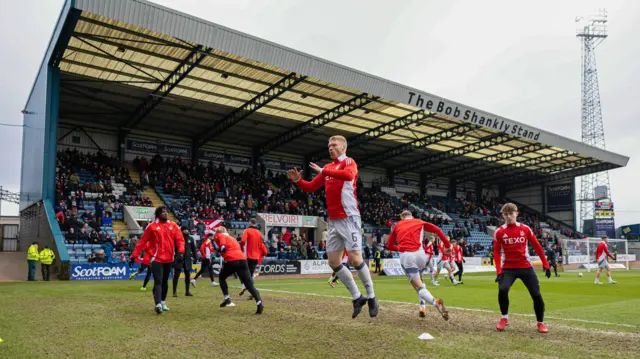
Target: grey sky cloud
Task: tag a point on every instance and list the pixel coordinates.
(519, 60)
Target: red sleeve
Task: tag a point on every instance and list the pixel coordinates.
(142, 243)
(265, 251)
(179, 239)
(243, 241)
(606, 250)
(434, 229)
(312, 186)
(391, 241)
(538, 248)
(496, 253)
(347, 174)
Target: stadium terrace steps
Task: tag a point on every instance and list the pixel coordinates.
(120, 229)
(157, 201)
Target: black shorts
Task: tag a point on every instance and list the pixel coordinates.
(186, 265)
(253, 263)
(526, 275)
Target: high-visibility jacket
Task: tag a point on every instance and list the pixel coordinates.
(32, 253)
(47, 256)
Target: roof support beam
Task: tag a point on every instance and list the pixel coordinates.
(67, 30)
(416, 144)
(470, 165)
(165, 87)
(251, 106)
(317, 122)
(523, 176)
(486, 142)
(599, 167)
(377, 132)
(491, 174)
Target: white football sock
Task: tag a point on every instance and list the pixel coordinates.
(365, 278)
(425, 296)
(347, 279)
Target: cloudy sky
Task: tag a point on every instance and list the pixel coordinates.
(517, 59)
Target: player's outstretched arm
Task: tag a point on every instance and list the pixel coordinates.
(391, 241)
(314, 185)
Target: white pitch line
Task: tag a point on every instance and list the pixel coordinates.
(456, 308)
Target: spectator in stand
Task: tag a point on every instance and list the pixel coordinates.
(83, 236)
(72, 236)
(122, 245)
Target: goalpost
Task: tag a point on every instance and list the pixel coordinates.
(583, 253)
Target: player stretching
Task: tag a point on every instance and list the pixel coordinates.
(254, 249)
(408, 235)
(161, 238)
(512, 237)
(334, 276)
(602, 255)
(339, 179)
(234, 263)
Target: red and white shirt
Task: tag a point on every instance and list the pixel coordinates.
(409, 235)
(442, 255)
(339, 179)
(457, 253)
(513, 239)
(428, 249)
(602, 252)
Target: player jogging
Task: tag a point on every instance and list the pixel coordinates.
(407, 238)
(602, 256)
(444, 261)
(161, 238)
(512, 237)
(145, 264)
(206, 249)
(345, 262)
(339, 179)
(234, 263)
(428, 250)
(254, 249)
(185, 264)
(458, 259)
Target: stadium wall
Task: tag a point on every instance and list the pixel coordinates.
(541, 198)
(87, 140)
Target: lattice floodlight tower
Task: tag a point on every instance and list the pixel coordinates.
(592, 31)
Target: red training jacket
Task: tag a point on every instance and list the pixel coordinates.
(252, 244)
(339, 179)
(409, 234)
(160, 239)
(233, 252)
(513, 240)
(602, 252)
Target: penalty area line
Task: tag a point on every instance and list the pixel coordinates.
(455, 308)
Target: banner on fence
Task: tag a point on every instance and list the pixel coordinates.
(288, 220)
(578, 259)
(99, 271)
(316, 266)
(625, 257)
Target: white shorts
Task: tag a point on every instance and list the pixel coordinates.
(413, 263)
(431, 262)
(344, 233)
(604, 263)
(443, 264)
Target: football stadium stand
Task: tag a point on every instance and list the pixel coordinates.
(138, 105)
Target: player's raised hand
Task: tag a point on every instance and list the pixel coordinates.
(294, 175)
(315, 167)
